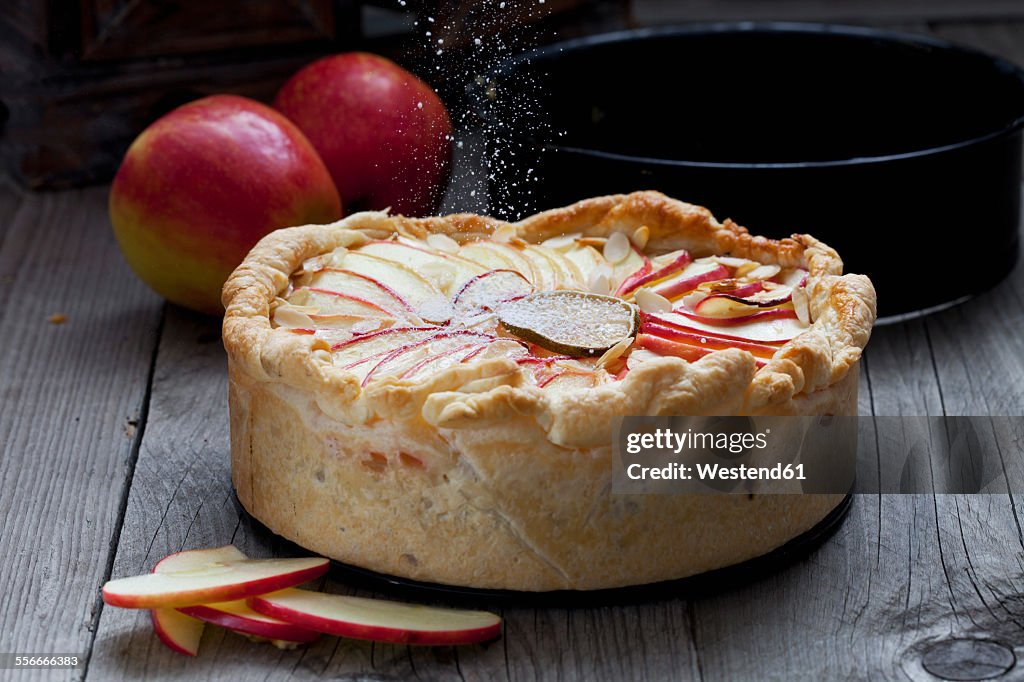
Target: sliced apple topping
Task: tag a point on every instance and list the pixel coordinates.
(572, 323)
(402, 359)
(767, 326)
(484, 292)
(689, 278)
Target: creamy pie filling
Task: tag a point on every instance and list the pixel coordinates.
(407, 308)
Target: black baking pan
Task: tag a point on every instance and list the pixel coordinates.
(693, 587)
(903, 152)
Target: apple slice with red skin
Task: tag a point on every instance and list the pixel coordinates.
(402, 359)
(635, 264)
(237, 616)
(362, 347)
(485, 291)
(337, 303)
(513, 349)
(439, 361)
(345, 321)
(778, 325)
(425, 298)
(347, 282)
(692, 276)
(709, 341)
(197, 580)
(180, 633)
(568, 378)
(729, 306)
(378, 620)
(640, 278)
(416, 257)
(663, 346)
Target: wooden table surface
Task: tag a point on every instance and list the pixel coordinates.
(114, 442)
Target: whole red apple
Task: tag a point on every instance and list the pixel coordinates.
(200, 186)
(384, 134)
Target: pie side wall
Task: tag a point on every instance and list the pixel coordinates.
(500, 507)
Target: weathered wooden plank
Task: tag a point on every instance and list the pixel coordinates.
(71, 395)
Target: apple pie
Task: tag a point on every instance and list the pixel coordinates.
(433, 398)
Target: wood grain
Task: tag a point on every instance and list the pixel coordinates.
(70, 395)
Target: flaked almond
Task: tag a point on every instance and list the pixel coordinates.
(290, 317)
(641, 236)
(504, 234)
(442, 242)
(318, 263)
(616, 248)
(763, 272)
(746, 268)
(652, 302)
(562, 242)
(600, 279)
(733, 262)
(615, 352)
(801, 305)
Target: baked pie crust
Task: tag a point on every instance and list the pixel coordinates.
(476, 476)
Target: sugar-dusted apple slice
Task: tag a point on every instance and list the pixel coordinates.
(572, 323)
(401, 360)
(179, 632)
(569, 379)
(348, 321)
(586, 258)
(432, 364)
(448, 271)
(544, 268)
(420, 293)
(484, 292)
(198, 580)
(633, 265)
(377, 343)
(769, 326)
(378, 620)
(689, 278)
(237, 616)
(361, 286)
(338, 303)
(488, 253)
(567, 274)
(499, 348)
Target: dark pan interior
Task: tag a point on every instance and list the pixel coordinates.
(758, 97)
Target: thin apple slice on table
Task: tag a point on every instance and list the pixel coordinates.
(378, 620)
(689, 278)
(180, 633)
(777, 325)
(401, 360)
(211, 581)
(239, 617)
(484, 292)
(426, 299)
(658, 271)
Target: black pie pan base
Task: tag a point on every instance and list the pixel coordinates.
(900, 151)
(694, 587)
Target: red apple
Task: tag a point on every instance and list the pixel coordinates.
(180, 633)
(199, 187)
(383, 133)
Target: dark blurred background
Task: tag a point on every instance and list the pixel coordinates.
(80, 78)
